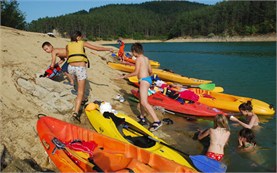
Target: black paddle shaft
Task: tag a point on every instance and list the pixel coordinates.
(130, 126)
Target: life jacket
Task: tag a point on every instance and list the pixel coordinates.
(76, 52)
(52, 72)
(121, 49)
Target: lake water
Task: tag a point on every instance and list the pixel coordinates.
(244, 69)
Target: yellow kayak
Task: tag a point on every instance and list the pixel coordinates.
(154, 64)
(135, 81)
(164, 75)
(107, 126)
(230, 102)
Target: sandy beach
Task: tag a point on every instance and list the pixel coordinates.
(24, 94)
(254, 38)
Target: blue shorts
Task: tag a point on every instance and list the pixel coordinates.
(65, 67)
(147, 79)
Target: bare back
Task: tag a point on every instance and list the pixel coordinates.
(218, 139)
(60, 52)
(143, 67)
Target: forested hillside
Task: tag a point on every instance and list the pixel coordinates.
(165, 20)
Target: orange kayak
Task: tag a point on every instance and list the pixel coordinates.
(196, 109)
(109, 155)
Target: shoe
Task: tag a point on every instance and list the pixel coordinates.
(76, 117)
(142, 121)
(84, 101)
(155, 126)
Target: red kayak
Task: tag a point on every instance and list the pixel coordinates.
(197, 109)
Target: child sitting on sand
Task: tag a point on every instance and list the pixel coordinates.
(246, 140)
(219, 136)
(61, 53)
(251, 118)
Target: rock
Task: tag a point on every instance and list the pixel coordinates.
(6, 158)
(51, 85)
(25, 84)
(40, 92)
(26, 165)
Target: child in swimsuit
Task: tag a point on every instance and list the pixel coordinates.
(143, 71)
(61, 53)
(246, 140)
(219, 136)
(251, 117)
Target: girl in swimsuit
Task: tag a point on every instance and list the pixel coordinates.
(251, 118)
(219, 136)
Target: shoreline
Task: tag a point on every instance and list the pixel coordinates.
(259, 38)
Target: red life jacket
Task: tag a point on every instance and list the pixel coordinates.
(52, 72)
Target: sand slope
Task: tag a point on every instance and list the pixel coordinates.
(23, 95)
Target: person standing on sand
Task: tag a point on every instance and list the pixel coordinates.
(251, 118)
(219, 136)
(61, 53)
(143, 71)
(77, 60)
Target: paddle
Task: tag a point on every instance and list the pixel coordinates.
(201, 162)
(60, 145)
(209, 87)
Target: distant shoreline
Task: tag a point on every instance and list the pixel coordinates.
(258, 38)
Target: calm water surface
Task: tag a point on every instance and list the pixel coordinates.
(244, 69)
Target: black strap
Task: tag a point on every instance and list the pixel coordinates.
(130, 170)
(83, 55)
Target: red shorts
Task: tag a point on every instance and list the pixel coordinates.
(214, 156)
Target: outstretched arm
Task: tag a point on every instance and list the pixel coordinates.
(204, 134)
(135, 73)
(98, 48)
(249, 126)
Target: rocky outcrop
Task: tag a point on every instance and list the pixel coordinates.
(50, 95)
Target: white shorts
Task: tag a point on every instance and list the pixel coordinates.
(79, 72)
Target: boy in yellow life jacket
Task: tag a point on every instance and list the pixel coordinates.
(61, 53)
(77, 60)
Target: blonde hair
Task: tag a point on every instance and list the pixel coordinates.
(221, 121)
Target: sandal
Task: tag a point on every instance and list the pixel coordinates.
(155, 126)
(84, 102)
(168, 121)
(142, 121)
(76, 116)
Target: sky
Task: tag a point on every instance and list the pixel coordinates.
(35, 9)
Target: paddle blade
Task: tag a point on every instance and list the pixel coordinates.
(205, 164)
(209, 86)
(218, 89)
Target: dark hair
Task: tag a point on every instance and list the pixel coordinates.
(46, 44)
(246, 106)
(248, 135)
(74, 35)
(137, 47)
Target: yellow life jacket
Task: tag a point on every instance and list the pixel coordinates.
(76, 52)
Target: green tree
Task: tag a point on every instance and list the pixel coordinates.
(11, 16)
